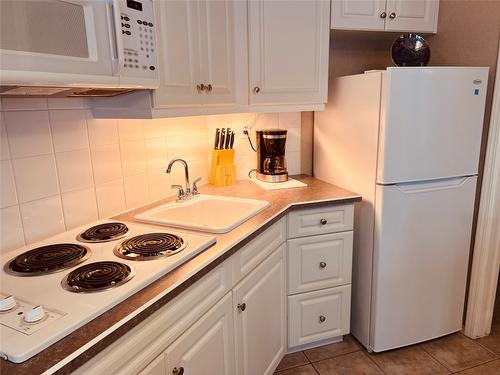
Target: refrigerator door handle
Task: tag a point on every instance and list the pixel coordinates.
(425, 186)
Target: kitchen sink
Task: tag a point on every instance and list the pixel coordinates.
(207, 213)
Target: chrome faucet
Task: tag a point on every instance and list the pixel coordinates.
(188, 192)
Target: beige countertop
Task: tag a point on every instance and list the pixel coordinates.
(81, 345)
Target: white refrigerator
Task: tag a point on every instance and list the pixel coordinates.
(408, 140)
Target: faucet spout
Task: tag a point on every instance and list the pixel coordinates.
(186, 171)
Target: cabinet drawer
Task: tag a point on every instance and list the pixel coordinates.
(321, 220)
(253, 253)
(318, 315)
(319, 262)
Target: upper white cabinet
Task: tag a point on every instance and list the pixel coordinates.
(288, 51)
(198, 52)
(385, 15)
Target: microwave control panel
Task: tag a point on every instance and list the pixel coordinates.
(139, 38)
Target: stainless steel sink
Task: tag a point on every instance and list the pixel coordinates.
(207, 213)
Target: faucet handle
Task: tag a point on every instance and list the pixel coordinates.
(195, 187)
(180, 194)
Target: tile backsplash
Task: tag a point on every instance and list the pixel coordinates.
(61, 168)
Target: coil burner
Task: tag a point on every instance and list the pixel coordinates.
(103, 232)
(47, 259)
(94, 277)
(150, 246)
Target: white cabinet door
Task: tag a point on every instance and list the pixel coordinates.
(288, 51)
(412, 15)
(178, 44)
(218, 50)
(358, 15)
(207, 348)
(259, 304)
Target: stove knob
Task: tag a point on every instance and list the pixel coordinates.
(7, 303)
(34, 315)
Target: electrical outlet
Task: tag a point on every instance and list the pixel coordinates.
(247, 126)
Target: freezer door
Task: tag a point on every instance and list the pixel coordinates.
(431, 123)
(422, 239)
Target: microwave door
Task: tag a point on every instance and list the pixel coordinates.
(66, 42)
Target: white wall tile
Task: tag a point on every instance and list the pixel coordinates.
(293, 162)
(101, 131)
(133, 155)
(106, 163)
(156, 153)
(136, 190)
(42, 218)
(178, 147)
(80, 207)
(28, 133)
(159, 184)
(154, 128)
(110, 199)
(8, 196)
(266, 121)
(74, 169)
(293, 139)
(69, 130)
(23, 104)
(4, 143)
(66, 103)
(289, 120)
(11, 229)
(130, 130)
(36, 177)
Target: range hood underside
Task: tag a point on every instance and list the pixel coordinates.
(59, 92)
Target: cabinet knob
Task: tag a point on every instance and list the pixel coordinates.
(178, 371)
(383, 15)
(242, 306)
(201, 87)
(322, 318)
(256, 89)
(392, 15)
(323, 221)
(209, 87)
(322, 264)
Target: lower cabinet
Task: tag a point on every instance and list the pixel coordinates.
(207, 348)
(260, 317)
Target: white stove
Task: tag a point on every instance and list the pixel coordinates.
(36, 311)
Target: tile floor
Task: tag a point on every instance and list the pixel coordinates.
(452, 354)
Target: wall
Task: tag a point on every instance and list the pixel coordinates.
(61, 168)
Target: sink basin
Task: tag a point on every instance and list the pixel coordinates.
(207, 213)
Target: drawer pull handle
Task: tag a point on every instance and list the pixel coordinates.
(322, 264)
(323, 221)
(322, 318)
(241, 306)
(178, 371)
(392, 15)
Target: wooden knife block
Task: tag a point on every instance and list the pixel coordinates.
(222, 169)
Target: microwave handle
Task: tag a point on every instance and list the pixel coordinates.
(115, 32)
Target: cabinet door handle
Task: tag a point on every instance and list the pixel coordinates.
(256, 89)
(209, 87)
(323, 221)
(322, 318)
(392, 15)
(241, 306)
(178, 371)
(383, 15)
(201, 87)
(322, 264)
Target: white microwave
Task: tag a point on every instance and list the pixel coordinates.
(77, 47)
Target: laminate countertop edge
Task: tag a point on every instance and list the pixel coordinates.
(75, 349)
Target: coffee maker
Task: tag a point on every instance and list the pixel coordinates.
(271, 162)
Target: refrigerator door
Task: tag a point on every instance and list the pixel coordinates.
(421, 250)
(431, 123)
